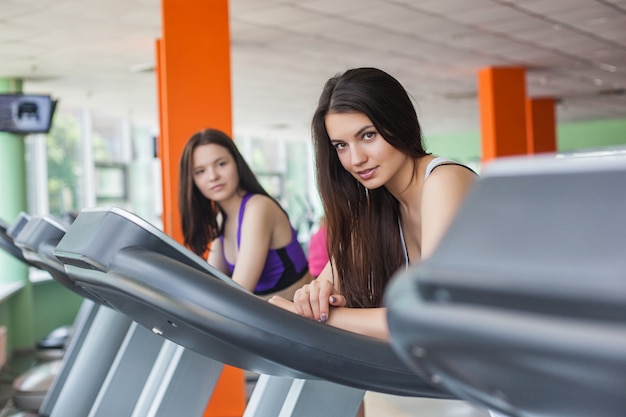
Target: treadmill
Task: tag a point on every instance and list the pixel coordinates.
(7, 234)
(29, 388)
(522, 307)
(136, 269)
(35, 237)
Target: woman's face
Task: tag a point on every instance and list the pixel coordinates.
(215, 172)
(363, 151)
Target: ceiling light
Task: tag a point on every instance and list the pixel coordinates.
(143, 67)
(608, 67)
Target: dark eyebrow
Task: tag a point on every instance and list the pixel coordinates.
(363, 129)
(215, 161)
(357, 134)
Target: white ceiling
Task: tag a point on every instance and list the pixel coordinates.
(91, 52)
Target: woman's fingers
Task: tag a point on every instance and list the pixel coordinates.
(314, 300)
(283, 303)
(337, 300)
(326, 291)
(302, 302)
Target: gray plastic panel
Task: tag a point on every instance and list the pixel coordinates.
(140, 271)
(37, 240)
(8, 245)
(522, 306)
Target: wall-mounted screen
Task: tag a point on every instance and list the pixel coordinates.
(26, 113)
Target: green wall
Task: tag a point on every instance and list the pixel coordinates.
(599, 134)
(465, 146)
(17, 314)
(53, 306)
(36, 309)
(462, 147)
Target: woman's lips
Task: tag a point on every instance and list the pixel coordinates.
(366, 173)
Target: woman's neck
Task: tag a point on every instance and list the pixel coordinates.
(230, 206)
(406, 186)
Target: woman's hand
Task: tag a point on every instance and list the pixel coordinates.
(368, 321)
(305, 304)
(315, 299)
(283, 303)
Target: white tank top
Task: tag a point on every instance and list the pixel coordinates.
(435, 163)
(431, 166)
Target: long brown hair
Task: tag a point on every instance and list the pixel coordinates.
(363, 232)
(198, 213)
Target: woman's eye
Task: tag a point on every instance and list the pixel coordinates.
(339, 146)
(369, 135)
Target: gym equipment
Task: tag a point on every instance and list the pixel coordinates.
(35, 238)
(29, 388)
(53, 345)
(522, 307)
(109, 358)
(6, 238)
(137, 269)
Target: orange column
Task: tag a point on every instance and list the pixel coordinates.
(502, 100)
(541, 125)
(194, 81)
(194, 91)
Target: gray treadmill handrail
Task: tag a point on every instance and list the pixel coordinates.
(18, 224)
(35, 232)
(8, 245)
(146, 275)
(521, 307)
(37, 240)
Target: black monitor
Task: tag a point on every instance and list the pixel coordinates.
(26, 113)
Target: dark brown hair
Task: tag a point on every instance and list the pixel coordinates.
(198, 213)
(363, 232)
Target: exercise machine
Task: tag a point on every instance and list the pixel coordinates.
(35, 238)
(522, 307)
(163, 287)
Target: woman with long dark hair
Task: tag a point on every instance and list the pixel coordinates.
(223, 207)
(386, 200)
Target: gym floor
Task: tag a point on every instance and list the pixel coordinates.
(376, 404)
(19, 364)
(382, 405)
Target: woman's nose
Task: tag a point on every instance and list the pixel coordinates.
(213, 174)
(357, 156)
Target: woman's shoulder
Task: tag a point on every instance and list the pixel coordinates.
(263, 203)
(259, 199)
(441, 165)
(446, 175)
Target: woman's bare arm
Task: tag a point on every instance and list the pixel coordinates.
(322, 301)
(216, 257)
(442, 196)
(367, 321)
(256, 235)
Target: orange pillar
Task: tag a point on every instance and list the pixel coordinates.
(502, 100)
(194, 81)
(541, 125)
(194, 91)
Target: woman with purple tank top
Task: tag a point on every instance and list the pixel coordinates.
(226, 211)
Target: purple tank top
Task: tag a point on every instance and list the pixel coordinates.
(283, 266)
